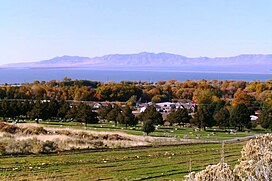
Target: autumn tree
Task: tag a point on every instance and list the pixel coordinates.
(206, 96)
(241, 97)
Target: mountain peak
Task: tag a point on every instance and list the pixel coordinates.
(65, 59)
(163, 61)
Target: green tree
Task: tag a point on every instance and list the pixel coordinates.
(14, 109)
(217, 105)
(4, 109)
(265, 117)
(104, 111)
(71, 113)
(203, 118)
(113, 114)
(52, 108)
(148, 126)
(85, 114)
(126, 117)
(179, 116)
(240, 117)
(222, 118)
(26, 107)
(206, 96)
(38, 111)
(64, 107)
(151, 114)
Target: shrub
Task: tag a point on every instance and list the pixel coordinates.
(221, 171)
(20, 146)
(49, 146)
(2, 149)
(4, 127)
(34, 130)
(255, 164)
(256, 159)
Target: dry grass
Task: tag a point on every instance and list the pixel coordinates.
(32, 138)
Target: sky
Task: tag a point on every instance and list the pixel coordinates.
(34, 30)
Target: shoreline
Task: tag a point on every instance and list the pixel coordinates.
(138, 70)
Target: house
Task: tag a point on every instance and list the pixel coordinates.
(188, 105)
(165, 107)
(142, 109)
(97, 105)
(253, 118)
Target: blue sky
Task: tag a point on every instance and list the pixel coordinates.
(33, 30)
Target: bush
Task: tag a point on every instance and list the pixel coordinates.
(27, 146)
(49, 146)
(4, 127)
(20, 146)
(255, 164)
(256, 160)
(221, 171)
(34, 131)
(2, 149)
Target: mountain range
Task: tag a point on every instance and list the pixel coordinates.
(261, 63)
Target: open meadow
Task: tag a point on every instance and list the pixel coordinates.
(142, 163)
(54, 152)
(162, 131)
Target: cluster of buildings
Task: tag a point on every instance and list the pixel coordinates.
(163, 107)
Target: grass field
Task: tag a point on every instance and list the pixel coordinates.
(149, 163)
(162, 131)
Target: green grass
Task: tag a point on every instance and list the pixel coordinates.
(150, 163)
(162, 131)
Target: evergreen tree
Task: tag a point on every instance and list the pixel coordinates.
(148, 126)
(63, 109)
(265, 117)
(151, 114)
(86, 115)
(203, 118)
(219, 105)
(222, 117)
(179, 116)
(240, 117)
(38, 111)
(4, 109)
(113, 114)
(26, 107)
(104, 111)
(52, 108)
(71, 113)
(126, 117)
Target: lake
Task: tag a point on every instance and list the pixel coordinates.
(12, 76)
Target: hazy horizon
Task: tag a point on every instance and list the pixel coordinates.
(34, 61)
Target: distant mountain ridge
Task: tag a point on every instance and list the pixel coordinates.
(244, 62)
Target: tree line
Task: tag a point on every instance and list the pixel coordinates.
(131, 91)
(220, 103)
